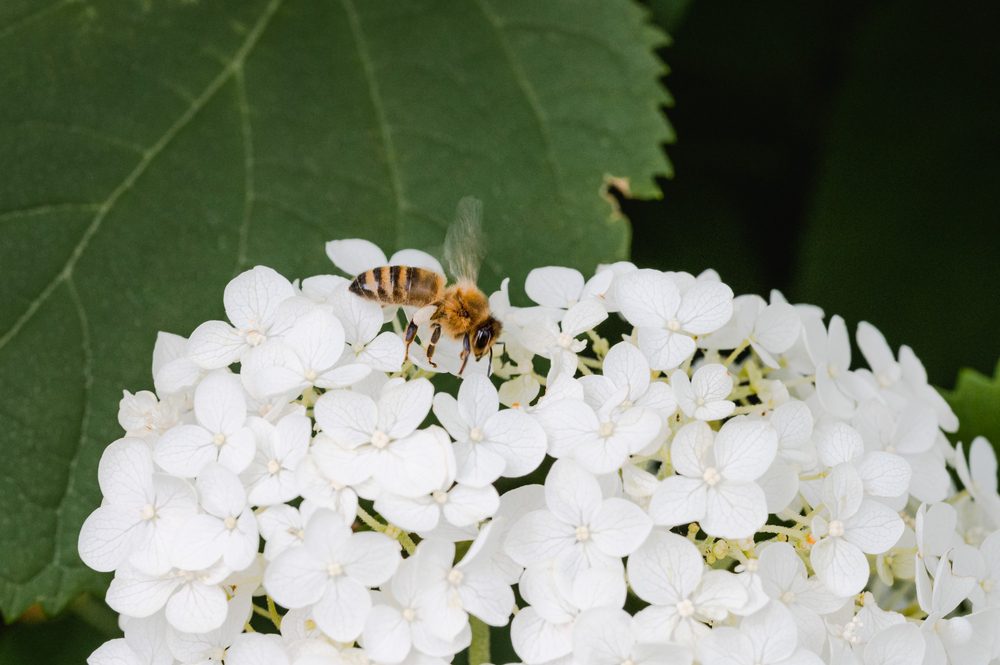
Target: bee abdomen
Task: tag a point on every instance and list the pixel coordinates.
(399, 285)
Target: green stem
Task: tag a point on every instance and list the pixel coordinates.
(479, 650)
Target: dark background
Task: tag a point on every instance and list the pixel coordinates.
(846, 153)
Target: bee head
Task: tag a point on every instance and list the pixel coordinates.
(484, 335)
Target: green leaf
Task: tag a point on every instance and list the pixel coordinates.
(155, 149)
(976, 402)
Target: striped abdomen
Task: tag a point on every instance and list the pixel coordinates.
(399, 285)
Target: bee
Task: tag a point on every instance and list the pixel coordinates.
(461, 309)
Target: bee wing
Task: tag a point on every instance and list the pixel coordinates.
(463, 244)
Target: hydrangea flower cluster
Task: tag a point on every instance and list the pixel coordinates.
(714, 486)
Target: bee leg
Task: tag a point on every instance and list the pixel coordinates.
(464, 355)
(411, 332)
(435, 336)
(489, 368)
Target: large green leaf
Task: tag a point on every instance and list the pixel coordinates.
(150, 150)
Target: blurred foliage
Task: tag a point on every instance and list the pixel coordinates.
(976, 402)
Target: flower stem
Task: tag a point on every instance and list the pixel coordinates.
(479, 650)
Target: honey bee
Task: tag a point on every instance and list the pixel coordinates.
(461, 309)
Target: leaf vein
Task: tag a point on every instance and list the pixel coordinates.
(148, 157)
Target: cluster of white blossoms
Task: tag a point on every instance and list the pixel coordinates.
(712, 484)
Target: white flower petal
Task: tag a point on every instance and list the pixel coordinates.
(619, 527)
(666, 569)
(343, 609)
(252, 297)
(402, 407)
(538, 536)
(571, 493)
(386, 635)
(874, 528)
(647, 298)
(469, 505)
(734, 510)
(184, 450)
(219, 403)
(663, 349)
(678, 500)
(215, 344)
(554, 286)
(257, 649)
(295, 578)
(355, 256)
(900, 644)
(197, 607)
(107, 536)
(349, 418)
(706, 307)
(744, 448)
(841, 566)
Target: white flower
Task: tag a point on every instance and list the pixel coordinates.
(883, 474)
(986, 593)
(548, 339)
(173, 370)
(321, 492)
(258, 649)
(561, 288)
(251, 299)
(143, 415)
(669, 573)
(793, 423)
(305, 355)
(280, 448)
(783, 577)
(140, 513)
(362, 320)
(715, 485)
(406, 617)
(489, 443)
(667, 320)
(979, 476)
(194, 600)
(221, 434)
(607, 636)
(211, 646)
(850, 527)
(144, 644)
(703, 396)
(365, 439)
(898, 644)
(767, 637)
(579, 528)
(227, 528)
(769, 329)
(471, 586)
(543, 631)
(910, 434)
(332, 571)
(602, 440)
(830, 351)
(282, 526)
(460, 505)
(626, 368)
